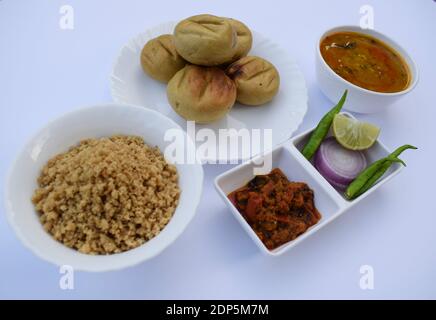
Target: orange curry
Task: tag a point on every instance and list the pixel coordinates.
(365, 61)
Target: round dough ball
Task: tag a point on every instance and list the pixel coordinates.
(256, 79)
(244, 39)
(205, 40)
(159, 58)
(202, 94)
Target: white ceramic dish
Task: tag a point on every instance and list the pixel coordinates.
(130, 85)
(359, 99)
(330, 202)
(68, 130)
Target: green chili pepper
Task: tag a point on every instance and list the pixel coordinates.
(400, 150)
(322, 129)
(368, 177)
(383, 169)
(364, 176)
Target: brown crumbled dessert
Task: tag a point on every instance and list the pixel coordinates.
(107, 195)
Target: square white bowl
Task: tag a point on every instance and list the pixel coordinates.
(330, 202)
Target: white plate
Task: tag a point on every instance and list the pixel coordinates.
(330, 202)
(283, 115)
(68, 130)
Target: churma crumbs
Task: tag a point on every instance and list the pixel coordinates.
(107, 195)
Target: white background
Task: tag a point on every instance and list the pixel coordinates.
(46, 71)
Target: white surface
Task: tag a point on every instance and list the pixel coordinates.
(284, 113)
(330, 203)
(360, 99)
(96, 122)
(46, 71)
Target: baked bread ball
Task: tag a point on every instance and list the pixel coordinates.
(256, 79)
(205, 40)
(202, 94)
(159, 58)
(244, 39)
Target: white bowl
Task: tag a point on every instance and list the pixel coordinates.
(68, 130)
(359, 99)
(330, 202)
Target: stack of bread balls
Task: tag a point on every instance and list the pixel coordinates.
(207, 69)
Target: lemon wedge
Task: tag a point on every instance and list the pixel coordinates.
(354, 134)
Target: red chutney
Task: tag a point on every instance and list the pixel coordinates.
(277, 209)
(365, 61)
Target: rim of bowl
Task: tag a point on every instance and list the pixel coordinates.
(37, 251)
(411, 65)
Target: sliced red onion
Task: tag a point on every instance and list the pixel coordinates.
(337, 164)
